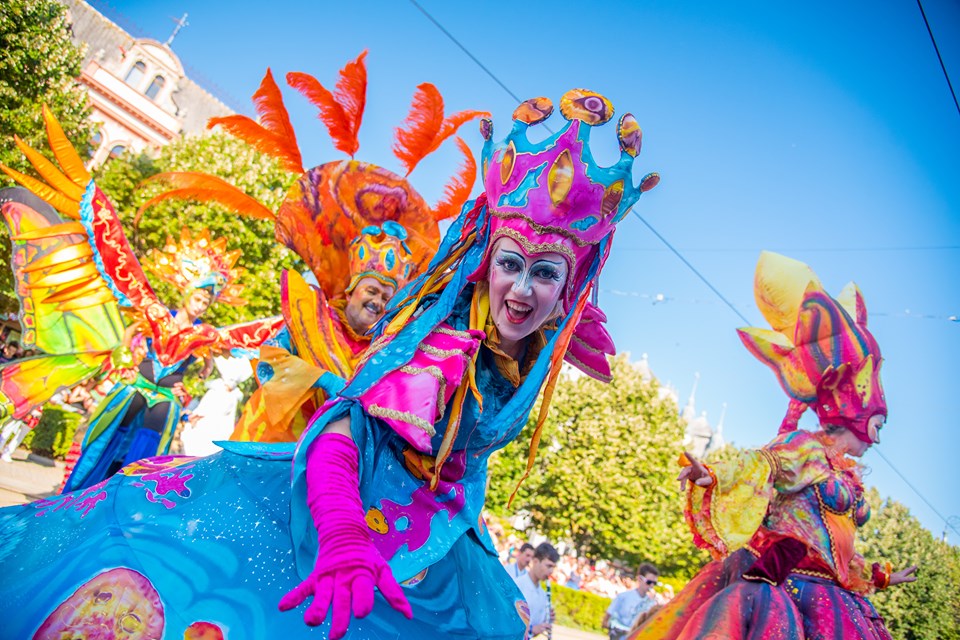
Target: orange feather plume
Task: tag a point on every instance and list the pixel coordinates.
(425, 128)
(189, 185)
(342, 110)
(274, 134)
(458, 188)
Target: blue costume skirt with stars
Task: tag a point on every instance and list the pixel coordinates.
(176, 547)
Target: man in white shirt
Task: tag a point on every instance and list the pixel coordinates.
(627, 607)
(519, 568)
(544, 561)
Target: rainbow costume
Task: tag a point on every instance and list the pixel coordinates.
(346, 219)
(780, 521)
(74, 272)
(213, 544)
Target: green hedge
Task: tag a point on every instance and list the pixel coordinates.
(579, 609)
(53, 435)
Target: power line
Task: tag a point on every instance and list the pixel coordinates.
(692, 268)
(916, 491)
(939, 57)
(655, 232)
(465, 50)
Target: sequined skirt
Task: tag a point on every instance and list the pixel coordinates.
(719, 603)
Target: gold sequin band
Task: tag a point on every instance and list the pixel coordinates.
(587, 369)
(539, 228)
(441, 353)
(533, 247)
(401, 416)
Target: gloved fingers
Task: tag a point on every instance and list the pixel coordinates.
(340, 620)
(316, 613)
(392, 592)
(297, 595)
(362, 595)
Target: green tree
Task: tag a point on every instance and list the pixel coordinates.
(222, 155)
(39, 64)
(605, 472)
(930, 607)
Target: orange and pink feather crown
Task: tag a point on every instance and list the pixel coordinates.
(819, 347)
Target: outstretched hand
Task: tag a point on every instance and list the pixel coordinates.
(904, 575)
(345, 585)
(695, 472)
(348, 565)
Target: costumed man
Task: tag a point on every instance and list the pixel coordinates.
(381, 529)
(363, 231)
(74, 271)
(781, 521)
(294, 387)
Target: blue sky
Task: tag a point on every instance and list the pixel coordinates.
(824, 130)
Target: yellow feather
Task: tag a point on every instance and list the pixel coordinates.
(58, 259)
(66, 155)
(49, 172)
(61, 203)
(62, 229)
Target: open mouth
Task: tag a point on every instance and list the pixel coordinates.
(517, 312)
(374, 309)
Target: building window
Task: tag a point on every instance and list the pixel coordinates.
(135, 75)
(95, 142)
(155, 87)
(117, 150)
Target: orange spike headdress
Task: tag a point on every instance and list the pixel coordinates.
(328, 208)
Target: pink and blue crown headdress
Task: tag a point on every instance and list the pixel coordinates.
(549, 196)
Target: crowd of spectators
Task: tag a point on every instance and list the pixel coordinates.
(599, 577)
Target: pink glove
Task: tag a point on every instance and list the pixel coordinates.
(348, 565)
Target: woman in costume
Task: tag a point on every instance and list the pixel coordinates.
(389, 477)
(780, 521)
(139, 416)
(363, 231)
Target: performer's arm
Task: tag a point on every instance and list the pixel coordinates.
(348, 567)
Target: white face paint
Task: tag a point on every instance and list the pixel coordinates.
(873, 427)
(524, 291)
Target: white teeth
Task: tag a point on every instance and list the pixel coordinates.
(518, 308)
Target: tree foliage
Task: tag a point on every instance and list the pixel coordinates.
(929, 607)
(224, 156)
(605, 473)
(39, 64)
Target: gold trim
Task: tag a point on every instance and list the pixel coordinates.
(585, 368)
(773, 460)
(539, 228)
(448, 331)
(533, 248)
(588, 347)
(440, 353)
(401, 416)
(434, 372)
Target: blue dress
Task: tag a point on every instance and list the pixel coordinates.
(175, 545)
